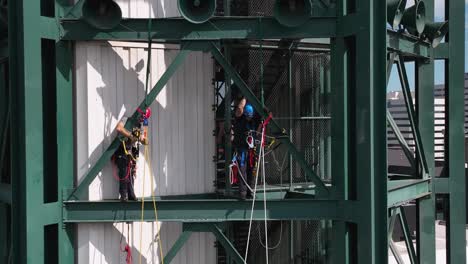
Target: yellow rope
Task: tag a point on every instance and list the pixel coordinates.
(148, 160)
(126, 151)
(142, 213)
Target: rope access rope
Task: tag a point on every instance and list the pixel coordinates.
(262, 148)
(148, 158)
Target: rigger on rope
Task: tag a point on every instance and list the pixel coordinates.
(145, 113)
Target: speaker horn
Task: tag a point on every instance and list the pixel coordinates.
(197, 11)
(395, 11)
(435, 32)
(414, 18)
(292, 13)
(102, 14)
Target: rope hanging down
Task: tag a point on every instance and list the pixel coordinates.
(262, 159)
(144, 112)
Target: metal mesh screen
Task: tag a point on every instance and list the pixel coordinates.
(300, 242)
(296, 89)
(261, 7)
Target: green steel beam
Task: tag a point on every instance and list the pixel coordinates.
(411, 114)
(339, 126)
(407, 45)
(65, 142)
(402, 191)
(105, 157)
(228, 246)
(177, 246)
(231, 251)
(27, 155)
(425, 207)
(4, 227)
(391, 244)
(369, 131)
(442, 51)
(177, 29)
(406, 232)
(441, 185)
(391, 223)
(5, 193)
(204, 210)
(395, 253)
(455, 134)
(245, 90)
(401, 140)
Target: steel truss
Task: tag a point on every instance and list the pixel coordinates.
(361, 200)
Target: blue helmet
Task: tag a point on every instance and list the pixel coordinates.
(248, 110)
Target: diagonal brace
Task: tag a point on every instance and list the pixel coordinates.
(411, 112)
(401, 140)
(228, 246)
(177, 246)
(106, 156)
(406, 232)
(245, 90)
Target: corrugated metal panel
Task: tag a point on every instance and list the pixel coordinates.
(110, 81)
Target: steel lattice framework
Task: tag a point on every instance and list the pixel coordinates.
(362, 201)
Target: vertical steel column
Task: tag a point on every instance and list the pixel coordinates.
(291, 114)
(27, 154)
(370, 135)
(339, 132)
(65, 146)
(30, 213)
(425, 208)
(454, 136)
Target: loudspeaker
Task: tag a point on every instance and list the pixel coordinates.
(197, 11)
(292, 13)
(102, 14)
(414, 18)
(435, 32)
(395, 11)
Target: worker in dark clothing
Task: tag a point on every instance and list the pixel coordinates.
(127, 154)
(245, 125)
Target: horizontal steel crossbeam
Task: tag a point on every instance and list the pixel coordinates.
(179, 29)
(402, 191)
(206, 210)
(407, 45)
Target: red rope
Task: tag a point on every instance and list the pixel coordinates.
(114, 171)
(129, 254)
(128, 250)
(264, 125)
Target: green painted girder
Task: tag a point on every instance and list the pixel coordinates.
(401, 139)
(441, 185)
(207, 210)
(180, 242)
(5, 193)
(179, 29)
(408, 45)
(402, 191)
(412, 114)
